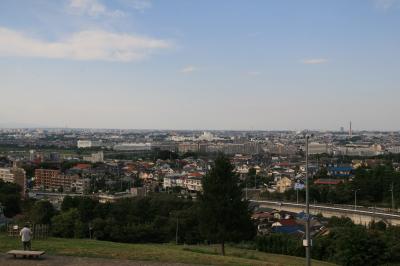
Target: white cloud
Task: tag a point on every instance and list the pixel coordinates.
(140, 5)
(386, 4)
(83, 45)
(314, 61)
(92, 8)
(189, 69)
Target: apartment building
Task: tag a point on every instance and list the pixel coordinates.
(14, 175)
(53, 179)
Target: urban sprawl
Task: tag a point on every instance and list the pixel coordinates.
(109, 165)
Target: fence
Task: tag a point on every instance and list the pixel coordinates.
(39, 231)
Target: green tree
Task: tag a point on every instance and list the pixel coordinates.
(10, 198)
(42, 212)
(64, 223)
(224, 216)
(358, 246)
(69, 203)
(252, 177)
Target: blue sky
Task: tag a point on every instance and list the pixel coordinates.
(186, 64)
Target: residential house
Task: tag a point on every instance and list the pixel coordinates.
(284, 184)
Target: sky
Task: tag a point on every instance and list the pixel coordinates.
(191, 64)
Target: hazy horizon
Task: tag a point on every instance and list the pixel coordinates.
(223, 65)
(30, 126)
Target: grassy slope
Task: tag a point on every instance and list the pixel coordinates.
(154, 252)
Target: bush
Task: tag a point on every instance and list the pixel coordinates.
(63, 225)
(280, 244)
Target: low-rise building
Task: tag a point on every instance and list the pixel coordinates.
(193, 183)
(133, 147)
(97, 157)
(284, 184)
(80, 185)
(14, 175)
(88, 143)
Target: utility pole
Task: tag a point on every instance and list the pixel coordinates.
(392, 190)
(246, 188)
(307, 243)
(177, 228)
(355, 198)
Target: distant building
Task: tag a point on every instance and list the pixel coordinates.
(284, 184)
(359, 150)
(207, 136)
(286, 226)
(394, 149)
(32, 155)
(53, 179)
(6, 175)
(188, 147)
(35, 156)
(173, 147)
(236, 148)
(171, 181)
(80, 185)
(54, 157)
(133, 147)
(340, 171)
(88, 143)
(97, 157)
(14, 175)
(193, 182)
(318, 148)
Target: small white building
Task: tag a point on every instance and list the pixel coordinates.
(97, 157)
(88, 143)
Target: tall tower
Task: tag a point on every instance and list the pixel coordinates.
(350, 131)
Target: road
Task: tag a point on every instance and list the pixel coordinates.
(357, 215)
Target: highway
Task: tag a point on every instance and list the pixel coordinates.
(358, 215)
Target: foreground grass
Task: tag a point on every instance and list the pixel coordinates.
(206, 255)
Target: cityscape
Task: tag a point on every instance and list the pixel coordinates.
(150, 132)
(110, 165)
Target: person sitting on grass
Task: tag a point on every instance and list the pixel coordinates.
(25, 234)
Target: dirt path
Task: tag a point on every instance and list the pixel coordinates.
(77, 261)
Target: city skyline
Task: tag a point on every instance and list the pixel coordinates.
(341, 129)
(139, 64)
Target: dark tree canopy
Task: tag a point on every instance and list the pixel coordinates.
(10, 198)
(224, 215)
(42, 212)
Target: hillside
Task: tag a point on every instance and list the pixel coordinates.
(206, 255)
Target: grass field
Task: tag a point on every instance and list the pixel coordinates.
(206, 255)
